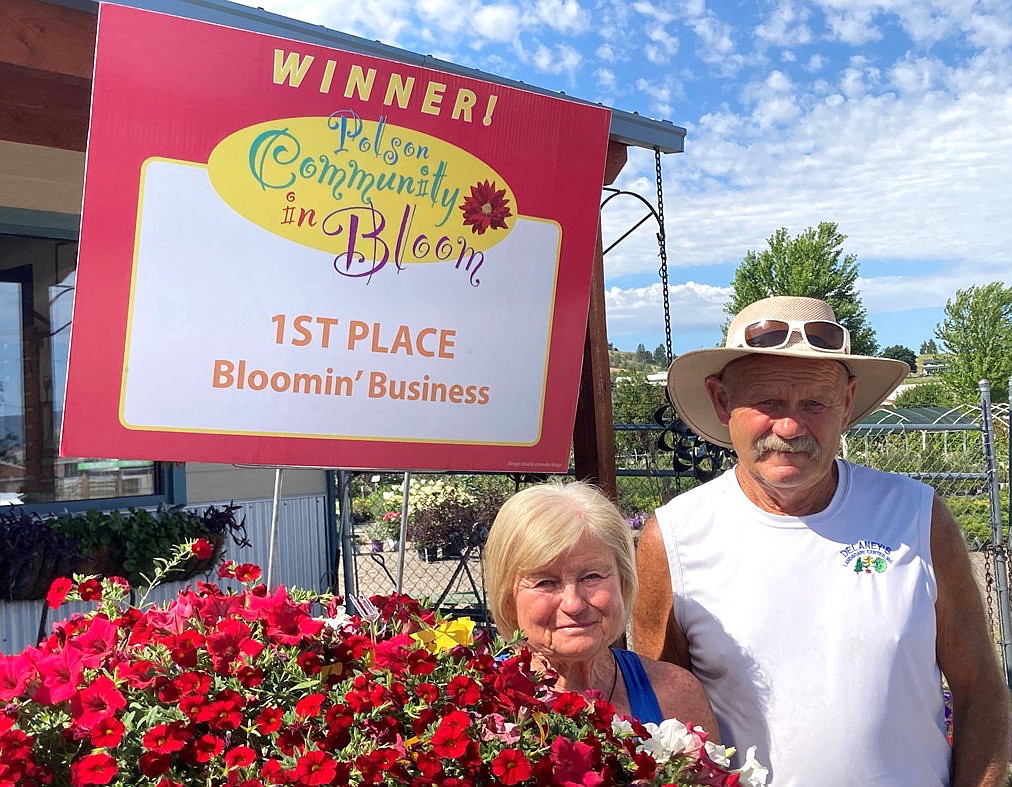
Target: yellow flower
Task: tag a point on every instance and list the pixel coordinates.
(446, 635)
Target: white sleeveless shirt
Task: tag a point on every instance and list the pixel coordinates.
(815, 636)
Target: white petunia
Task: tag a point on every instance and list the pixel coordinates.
(339, 621)
(719, 754)
(753, 774)
(621, 728)
(671, 738)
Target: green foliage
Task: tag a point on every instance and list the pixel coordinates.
(136, 538)
(811, 265)
(973, 513)
(661, 356)
(977, 333)
(453, 510)
(900, 353)
(628, 362)
(926, 395)
(929, 347)
(110, 543)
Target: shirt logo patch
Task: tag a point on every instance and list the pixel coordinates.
(868, 557)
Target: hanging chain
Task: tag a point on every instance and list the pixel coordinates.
(989, 586)
(663, 251)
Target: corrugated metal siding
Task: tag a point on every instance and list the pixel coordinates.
(300, 560)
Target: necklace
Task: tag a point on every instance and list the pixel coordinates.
(614, 679)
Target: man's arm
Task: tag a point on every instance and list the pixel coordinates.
(655, 632)
(966, 655)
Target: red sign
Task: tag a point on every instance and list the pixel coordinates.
(294, 255)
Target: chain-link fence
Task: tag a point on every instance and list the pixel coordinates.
(944, 448)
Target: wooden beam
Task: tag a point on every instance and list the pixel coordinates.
(47, 37)
(43, 108)
(594, 431)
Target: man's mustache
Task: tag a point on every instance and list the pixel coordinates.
(773, 444)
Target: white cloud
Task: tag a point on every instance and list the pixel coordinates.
(560, 59)
(606, 79)
(917, 75)
(786, 25)
(566, 16)
(653, 12)
(772, 99)
(637, 310)
(660, 46)
(816, 63)
(606, 53)
(853, 25)
(497, 22)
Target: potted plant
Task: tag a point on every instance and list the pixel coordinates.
(375, 534)
(35, 549)
(451, 517)
(215, 688)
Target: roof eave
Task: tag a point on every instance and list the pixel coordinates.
(628, 128)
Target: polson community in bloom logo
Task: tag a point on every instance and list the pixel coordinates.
(868, 557)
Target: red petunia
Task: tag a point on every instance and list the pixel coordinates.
(247, 572)
(15, 672)
(58, 591)
(485, 208)
(239, 757)
(309, 705)
(60, 674)
(269, 720)
(99, 700)
(202, 549)
(206, 748)
(450, 738)
(463, 690)
(90, 589)
(569, 703)
(153, 764)
(93, 769)
(315, 767)
(107, 732)
(574, 763)
(166, 738)
(511, 766)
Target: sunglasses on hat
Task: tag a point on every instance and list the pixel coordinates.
(772, 334)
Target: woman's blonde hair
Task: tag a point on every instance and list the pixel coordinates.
(540, 523)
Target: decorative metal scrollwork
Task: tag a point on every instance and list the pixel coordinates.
(689, 452)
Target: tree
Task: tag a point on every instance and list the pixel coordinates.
(642, 355)
(900, 353)
(811, 265)
(929, 347)
(661, 355)
(634, 400)
(977, 334)
(925, 395)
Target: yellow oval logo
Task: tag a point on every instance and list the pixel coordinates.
(366, 191)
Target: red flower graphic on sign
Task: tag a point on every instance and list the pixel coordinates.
(486, 208)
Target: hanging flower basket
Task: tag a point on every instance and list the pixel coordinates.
(35, 550)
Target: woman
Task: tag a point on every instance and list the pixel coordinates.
(560, 567)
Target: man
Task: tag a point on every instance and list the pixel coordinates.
(819, 602)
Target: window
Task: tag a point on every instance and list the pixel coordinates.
(37, 277)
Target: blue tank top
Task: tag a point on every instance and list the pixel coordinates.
(642, 699)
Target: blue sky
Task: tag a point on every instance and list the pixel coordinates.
(892, 118)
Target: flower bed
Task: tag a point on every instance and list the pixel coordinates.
(281, 687)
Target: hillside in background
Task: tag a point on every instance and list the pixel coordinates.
(634, 361)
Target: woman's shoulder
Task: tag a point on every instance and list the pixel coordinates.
(662, 672)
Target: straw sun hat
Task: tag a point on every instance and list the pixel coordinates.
(760, 323)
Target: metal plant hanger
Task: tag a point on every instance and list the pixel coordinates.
(690, 454)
